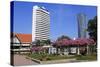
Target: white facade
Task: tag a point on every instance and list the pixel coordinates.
(73, 50)
(40, 24)
(16, 42)
(17, 45)
(52, 50)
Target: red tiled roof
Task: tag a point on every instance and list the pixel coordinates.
(24, 38)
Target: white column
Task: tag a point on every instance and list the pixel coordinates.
(78, 51)
(34, 23)
(49, 51)
(87, 49)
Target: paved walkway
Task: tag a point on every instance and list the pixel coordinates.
(20, 60)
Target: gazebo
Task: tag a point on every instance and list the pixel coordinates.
(78, 46)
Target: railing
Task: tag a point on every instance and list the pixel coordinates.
(20, 49)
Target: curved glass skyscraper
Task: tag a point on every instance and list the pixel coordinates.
(82, 25)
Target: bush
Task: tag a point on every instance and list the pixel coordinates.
(48, 58)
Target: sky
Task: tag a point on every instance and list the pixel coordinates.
(63, 17)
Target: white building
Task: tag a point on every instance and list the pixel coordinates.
(21, 42)
(40, 24)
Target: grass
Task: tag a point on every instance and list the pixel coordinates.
(46, 57)
(59, 57)
(87, 57)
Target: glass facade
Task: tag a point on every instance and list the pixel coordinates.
(82, 25)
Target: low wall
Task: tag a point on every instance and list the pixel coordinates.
(58, 61)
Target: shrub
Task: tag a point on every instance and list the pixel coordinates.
(48, 58)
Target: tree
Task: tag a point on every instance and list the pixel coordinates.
(48, 41)
(42, 42)
(92, 28)
(63, 37)
(38, 42)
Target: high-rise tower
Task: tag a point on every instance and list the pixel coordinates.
(40, 24)
(82, 25)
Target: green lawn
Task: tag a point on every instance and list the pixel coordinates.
(46, 57)
(87, 57)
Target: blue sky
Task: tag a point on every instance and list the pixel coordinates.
(63, 20)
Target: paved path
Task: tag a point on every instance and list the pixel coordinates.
(20, 60)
